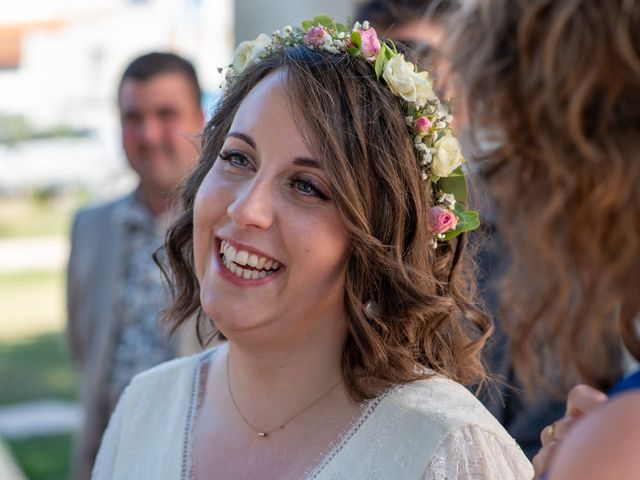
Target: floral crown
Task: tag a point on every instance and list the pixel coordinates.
(438, 152)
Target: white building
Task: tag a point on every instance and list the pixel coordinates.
(60, 63)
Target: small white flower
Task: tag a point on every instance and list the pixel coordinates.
(421, 147)
(248, 51)
(405, 82)
(431, 109)
(424, 175)
(417, 139)
(341, 35)
(365, 25)
(448, 200)
(288, 30)
(408, 120)
(356, 26)
(448, 156)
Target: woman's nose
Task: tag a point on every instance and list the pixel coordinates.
(253, 206)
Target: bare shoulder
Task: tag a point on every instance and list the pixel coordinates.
(604, 444)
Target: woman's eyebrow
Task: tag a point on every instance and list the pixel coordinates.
(307, 162)
(242, 136)
(299, 161)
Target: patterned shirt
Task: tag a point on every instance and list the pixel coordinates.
(140, 341)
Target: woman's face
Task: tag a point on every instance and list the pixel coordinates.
(270, 249)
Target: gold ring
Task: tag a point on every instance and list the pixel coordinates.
(552, 431)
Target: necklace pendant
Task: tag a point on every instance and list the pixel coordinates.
(262, 434)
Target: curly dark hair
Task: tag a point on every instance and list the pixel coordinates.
(556, 85)
(424, 312)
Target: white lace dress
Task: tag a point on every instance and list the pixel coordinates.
(428, 430)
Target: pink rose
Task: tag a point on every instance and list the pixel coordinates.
(422, 125)
(315, 36)
(370, 44)
(442, 220)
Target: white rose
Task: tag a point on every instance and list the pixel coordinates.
(405, 82)
(248, 51)
(448, 156)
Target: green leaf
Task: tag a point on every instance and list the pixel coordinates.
(467, 220)
(356, 39)
(324, 20)
(456, 184)
(306, 25)
(380, 60)
(342, 28)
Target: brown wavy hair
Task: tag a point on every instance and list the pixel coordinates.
(424, 313)
(555, 88)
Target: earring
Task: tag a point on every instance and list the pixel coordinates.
(370, 308)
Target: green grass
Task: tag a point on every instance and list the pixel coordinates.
(41, 213)
(32, 303)
(34, 362)
(43, 458)
(24, 218)
(35, 368)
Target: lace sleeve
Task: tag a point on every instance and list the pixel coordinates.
(471, 453)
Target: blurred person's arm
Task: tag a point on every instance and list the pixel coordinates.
(76, 328)
(582, 400)
(603, 444)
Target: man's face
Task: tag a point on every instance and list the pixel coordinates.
(160, 119)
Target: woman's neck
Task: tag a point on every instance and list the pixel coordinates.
(295, 370)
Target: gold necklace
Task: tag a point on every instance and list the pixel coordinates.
(265, 434)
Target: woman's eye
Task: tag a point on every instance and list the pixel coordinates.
(235, 159)
(307, 188)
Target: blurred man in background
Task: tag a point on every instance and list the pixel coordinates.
(115, 293)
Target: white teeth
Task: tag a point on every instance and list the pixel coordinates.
(233, 259)
(241, 257)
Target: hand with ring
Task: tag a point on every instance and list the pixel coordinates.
(581, 400)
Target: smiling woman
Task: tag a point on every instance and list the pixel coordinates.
(306, 242)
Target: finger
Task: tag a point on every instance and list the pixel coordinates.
(542, 459)
(582, 399)
(563, 426)
(547, 435)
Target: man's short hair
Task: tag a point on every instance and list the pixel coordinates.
(148, 66)
(384, 14)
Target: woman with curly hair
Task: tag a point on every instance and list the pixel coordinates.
(323, 237)
(555, 88)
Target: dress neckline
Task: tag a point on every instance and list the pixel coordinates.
(198, 386)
